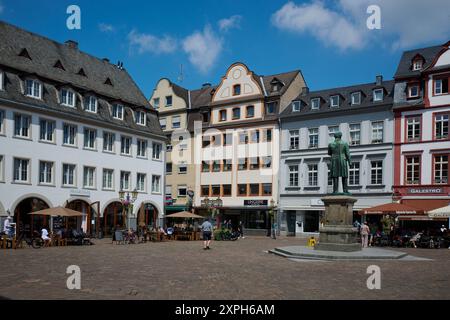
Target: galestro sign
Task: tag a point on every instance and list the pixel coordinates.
(425, 190)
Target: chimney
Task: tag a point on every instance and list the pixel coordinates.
(206, 85)
(72, 44)
(305, 91)
(379, 80)
(106, 60)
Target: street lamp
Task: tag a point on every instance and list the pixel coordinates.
(272, 217)
(127, 201)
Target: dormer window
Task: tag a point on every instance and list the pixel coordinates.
(413, 90)
(296, 106)
(81, 72)
(315, 103)
(33, 88)
(275, 87)
(334, 101)
(67, 98)
(90, 104)
(356, 98)
(108, 82)
(236, 89)
(59, 65)
(378, 95)
(140, 118)
(417, 64)
(117, 111)
(24, 53)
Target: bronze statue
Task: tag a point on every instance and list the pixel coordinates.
(340, 159)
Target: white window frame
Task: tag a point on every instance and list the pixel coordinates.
(176, 124)
(141, 186)
(158, 147)
(21, 129)
(354, 173)
(45, 173)
(375, 99)
(293, 176)
(294, 139)
(36, 87)
(117, 111)
(109, 139)
(353, 132)
(21, 170)
(126, 146)
(413, 165)
(375, 132)
(356, 94)
(66, 95)
(181, 187)
(296, 106)
(108, 177)
(141, 118)
(415, 122)
(376, 169)
(313, 100)
(69, 134)
(124, 174)
(313, 174)
(142, 146)
(87, 177)
(182, 165)
(44, 136)
(316, 134)
(417, 65)
(73, 175)
(442, 118)
(88, 147)
(156, 188)
(88, 104)
(332, 101)
(410, 95)
(439, 176)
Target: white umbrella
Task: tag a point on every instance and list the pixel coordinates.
(443, 212)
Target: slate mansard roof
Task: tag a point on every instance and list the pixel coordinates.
(77, 70)
(404, 68)
(344, 101)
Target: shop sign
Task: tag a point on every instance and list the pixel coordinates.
(256, 202)
(425, 190)
(79, 193)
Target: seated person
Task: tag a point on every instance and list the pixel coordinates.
(45, 237)
(170, 231)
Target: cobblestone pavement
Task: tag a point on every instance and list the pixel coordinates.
(230, 270)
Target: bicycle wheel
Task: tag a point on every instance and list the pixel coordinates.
(37, 243)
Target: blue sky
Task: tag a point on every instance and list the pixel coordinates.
(327, 40)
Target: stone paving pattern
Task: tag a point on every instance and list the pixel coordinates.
(230, 270)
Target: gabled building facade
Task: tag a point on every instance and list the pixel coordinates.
(363, 113)
(235, 126)
(172, 103)
(74, 131)
(422, 141)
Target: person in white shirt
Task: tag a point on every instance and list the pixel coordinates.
(45, 237)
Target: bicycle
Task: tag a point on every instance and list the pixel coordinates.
(35, 242)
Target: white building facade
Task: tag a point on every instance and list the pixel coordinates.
(363, 113)
(74, 131)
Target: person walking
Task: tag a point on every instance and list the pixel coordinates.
(207, 233)
(365, 235)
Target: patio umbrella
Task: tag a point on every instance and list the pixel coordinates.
(391, 208)
(185, 214)
(443, 212)
(55, 212)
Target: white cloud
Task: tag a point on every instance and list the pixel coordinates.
(230, 23)
(150, 43)
(104, 27)
(324, 24)
(404, 23)
(203, 48)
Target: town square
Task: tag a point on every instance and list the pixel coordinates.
(218, 152)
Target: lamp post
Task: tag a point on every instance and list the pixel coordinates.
(127, 201)
(272, 215)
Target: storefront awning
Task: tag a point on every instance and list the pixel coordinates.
(175, 208)
(421, 217)
(426, 205)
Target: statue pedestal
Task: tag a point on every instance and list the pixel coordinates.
(338, 234)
